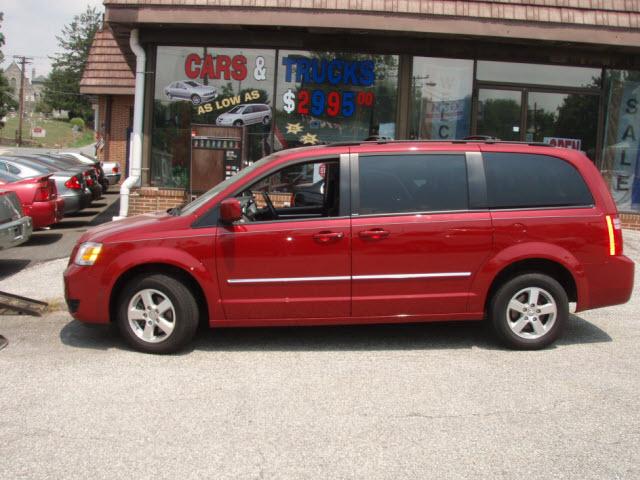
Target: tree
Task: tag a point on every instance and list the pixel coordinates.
(62, 88)
(6, 98)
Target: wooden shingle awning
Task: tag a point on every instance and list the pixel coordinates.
(612, 23)
(109, 70)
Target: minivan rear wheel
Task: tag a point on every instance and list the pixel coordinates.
(529, 311)
(157, 314)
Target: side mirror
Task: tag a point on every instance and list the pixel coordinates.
(230, 210)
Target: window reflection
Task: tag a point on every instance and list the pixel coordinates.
(499, 113)
(441, 101)
(566, 120)
(533, 74)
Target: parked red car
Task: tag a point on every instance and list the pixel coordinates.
(395, 232)
(39, 198)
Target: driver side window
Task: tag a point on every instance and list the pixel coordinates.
(300, 191)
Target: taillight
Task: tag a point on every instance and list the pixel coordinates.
(115, 169)
(73, 183)
(43, 194)
(89, 181)
(614, 232)
(292, 200)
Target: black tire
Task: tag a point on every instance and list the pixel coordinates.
(499, 310)
(238, 123)
(184, 305)
(195, 99)
(266, 120)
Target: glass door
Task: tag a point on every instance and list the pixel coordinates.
(499, 113)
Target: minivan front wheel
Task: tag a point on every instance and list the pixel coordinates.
(529, 311)
(157, 314)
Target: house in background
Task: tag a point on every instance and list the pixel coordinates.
(108, 80)
(33, 85)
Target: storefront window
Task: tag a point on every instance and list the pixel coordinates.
(226, 93)
(499, 113)
(325, 97)
(441, 98)
(621, 153)
(533, 74)
(565, 119)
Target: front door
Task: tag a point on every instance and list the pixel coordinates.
(416, 243)
(290, 256)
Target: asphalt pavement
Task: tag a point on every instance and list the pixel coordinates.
(438, 401)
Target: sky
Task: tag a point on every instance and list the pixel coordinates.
(30, 28)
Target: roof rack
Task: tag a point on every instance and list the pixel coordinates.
(462, 141)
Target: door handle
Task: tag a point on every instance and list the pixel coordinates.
(374, 234)
(326, 237)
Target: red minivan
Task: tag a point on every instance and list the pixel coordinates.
(373, 232)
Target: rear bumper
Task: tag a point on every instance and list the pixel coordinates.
(44, 214)
(16, 232)
(609, 283)
(113, 178)
(73, 203)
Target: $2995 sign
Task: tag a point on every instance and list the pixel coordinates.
(318, 102)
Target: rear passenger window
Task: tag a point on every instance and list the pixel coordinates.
(518, 180)
(412, 183)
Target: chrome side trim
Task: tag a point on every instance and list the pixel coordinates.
(398, 276)
(404, 276)
(288, 280)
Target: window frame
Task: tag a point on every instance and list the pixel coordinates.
(529, 208)
(476, 191)
(344, 187)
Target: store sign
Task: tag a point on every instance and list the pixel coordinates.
(336, 101)
(573, 143)
(625, 180)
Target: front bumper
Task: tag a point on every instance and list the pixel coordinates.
(84, 293)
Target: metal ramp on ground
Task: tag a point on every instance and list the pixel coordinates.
(11, 304)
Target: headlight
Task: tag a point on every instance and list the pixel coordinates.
(88, 253)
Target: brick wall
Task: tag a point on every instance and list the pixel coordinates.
(630, 220)
(120, 121)
(153, 199)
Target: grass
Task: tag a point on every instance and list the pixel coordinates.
(59, 133)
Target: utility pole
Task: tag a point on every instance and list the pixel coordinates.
(24, 61)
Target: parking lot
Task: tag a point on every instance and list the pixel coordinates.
(58, 240)
(414, 401)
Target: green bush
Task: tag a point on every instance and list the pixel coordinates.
(77, 122)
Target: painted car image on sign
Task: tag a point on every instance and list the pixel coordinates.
(246, 114)
(190, 90)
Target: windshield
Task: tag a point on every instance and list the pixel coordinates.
(236, 109)
(205, 197)
(192, 84)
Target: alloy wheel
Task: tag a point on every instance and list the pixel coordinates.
(151, 315)
(531, 313)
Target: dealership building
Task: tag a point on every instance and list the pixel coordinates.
(225, 83)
